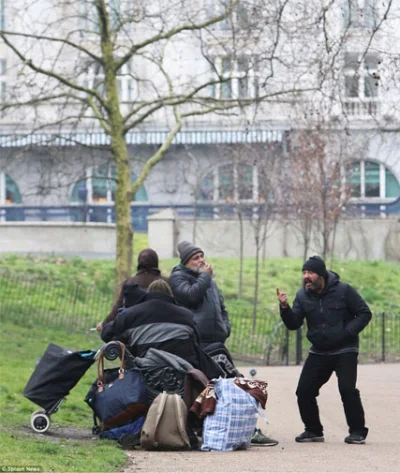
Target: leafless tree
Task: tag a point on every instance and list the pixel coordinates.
(117, 66)
(72, 59)
(320, 167)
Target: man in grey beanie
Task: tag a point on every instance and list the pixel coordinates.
(193, 287)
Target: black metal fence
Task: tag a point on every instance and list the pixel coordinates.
(74, 307)
(140, 211)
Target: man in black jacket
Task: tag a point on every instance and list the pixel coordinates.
(335, 315)
(193, 287)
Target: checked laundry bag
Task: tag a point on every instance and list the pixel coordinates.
(232, 424)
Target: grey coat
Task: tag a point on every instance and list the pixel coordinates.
(199, 293)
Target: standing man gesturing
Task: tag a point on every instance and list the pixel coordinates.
(335, 315)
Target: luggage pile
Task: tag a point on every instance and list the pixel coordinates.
(159, 402)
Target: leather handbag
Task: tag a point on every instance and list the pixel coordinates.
(119, 396)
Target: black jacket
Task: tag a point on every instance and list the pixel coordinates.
(199, 293)
(156, 322)
(334, 318)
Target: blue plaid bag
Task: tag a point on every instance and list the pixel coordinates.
(234, 420)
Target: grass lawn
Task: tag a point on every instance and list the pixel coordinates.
(43, 298)
(20, 348)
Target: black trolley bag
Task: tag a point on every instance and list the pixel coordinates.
(56, 373)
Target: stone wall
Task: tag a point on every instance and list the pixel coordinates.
(369, 239)
(85, 239)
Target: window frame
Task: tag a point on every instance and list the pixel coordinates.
(234, 76)
(361, 105)
(126, 85)
(88, 179)
(382, 183)
(3, 80)
(214, 174)
(360, 17)
(3, 190)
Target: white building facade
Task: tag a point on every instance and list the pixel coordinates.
(343, 67)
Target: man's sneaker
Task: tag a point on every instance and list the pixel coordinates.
(355, 438)
(307, 436)
(261, 439)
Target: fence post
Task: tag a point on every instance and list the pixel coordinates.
(287, 347)
(383, 338)
(299, 348)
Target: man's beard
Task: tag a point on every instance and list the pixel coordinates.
(315, 286)
(197, 268)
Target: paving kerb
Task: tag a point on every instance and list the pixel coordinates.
(379, 385)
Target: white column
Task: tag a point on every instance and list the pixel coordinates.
(382, 181)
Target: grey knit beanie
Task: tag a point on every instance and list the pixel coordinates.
(186, 250)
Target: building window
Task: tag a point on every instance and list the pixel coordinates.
(238, 77)
(2, 14)
(239, 18)
(99, 187)
(361, 84)
(360, 13)
(230, 183)
(9, 192)
(369, 179)
(90, 18)
(3, 80)
(93, 78)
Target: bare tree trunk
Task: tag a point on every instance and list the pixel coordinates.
(119, 150)
(194, 229)
(333, 242)
(307, 237)
(284, 241)
(256, 284)
(241, 251)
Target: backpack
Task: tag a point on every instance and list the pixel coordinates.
(165, 424)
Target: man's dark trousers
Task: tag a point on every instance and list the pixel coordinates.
(316, 372)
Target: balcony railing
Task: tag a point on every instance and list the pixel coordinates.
(361, 108)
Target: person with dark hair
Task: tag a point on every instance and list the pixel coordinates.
(335, 315)
(147, 272)
(147, 269)
(158, 322)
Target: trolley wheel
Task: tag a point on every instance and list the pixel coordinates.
(40, 422)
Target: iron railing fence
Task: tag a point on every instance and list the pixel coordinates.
(30, 300)
(200, 210)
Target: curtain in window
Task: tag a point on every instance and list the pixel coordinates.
(13, 195)
(372, 178)
(245, 182)
(355, 179)
(225, 178)
(207, 187)
(392, 185)
(103, 187)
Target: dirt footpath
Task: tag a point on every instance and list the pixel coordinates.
(380, 392)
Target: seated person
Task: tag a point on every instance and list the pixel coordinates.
(156, 321)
